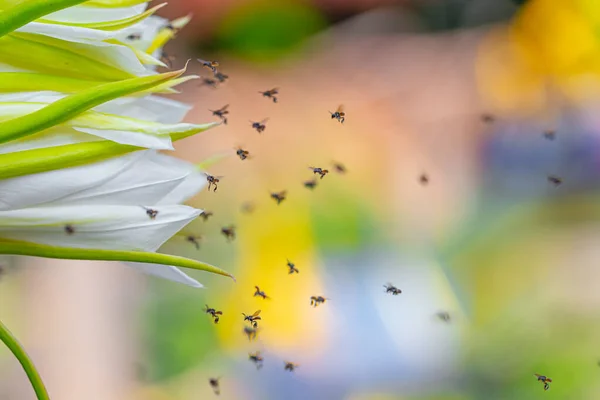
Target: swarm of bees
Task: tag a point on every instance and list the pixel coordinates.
(289, 366)
(259, 126)
(279, 196)
(292, 267)
(214, 384)
(212, 181)
(316, 300)
(389, 288)
(319, 171)
(260, 293)
(339, 114)
(271, 94)
(228, 232)
(221, 113)
(545, 380)
(252, 318)
(213, 313)
(257, 359)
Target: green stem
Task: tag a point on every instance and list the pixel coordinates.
(15, 347)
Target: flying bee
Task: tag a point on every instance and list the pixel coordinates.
(339, 114)
(221, 77)
(214, 384)
(550, 134)
(167, 59)
(208, 82)
(279, 197)
(212, 65)
(242, 154)
(271, 94)
(339, 168)
(292, 267)
(250, 332)
(310, 184)
(443, 315)
(212, 181)
(221, 112)
(319, 171)
(195, 240)
(256, 358)
(316, 300)
(69, 229)
(389, 288)
(248, 207)
(228, 232)
(259, 126)
(260, 293)
(424, 179)
(150, 212)
(488, 118)
(206, 214)
(252, 318)
(555, 180)
(290, 366)
(545, 380)
(213, 313)
(134, 36)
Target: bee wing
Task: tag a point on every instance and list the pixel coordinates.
(264, 121)
(340, 108)
(273, 91)
(225, 107)
(256, 313)
(201, 61)
(219, 312)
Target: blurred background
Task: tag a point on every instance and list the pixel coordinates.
(471, 152)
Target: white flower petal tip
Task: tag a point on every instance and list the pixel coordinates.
(170, 273)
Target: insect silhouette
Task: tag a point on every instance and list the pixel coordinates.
(316, 300)
(339, 114)
(311, 184)
(134, 36)
(212, 65)
(339, 168)
(292, 267)
(221, 77)
(424, 179)
(69, 229)
(550, 134)
(488, 118)
(250, 332)
(248, 207)
(242, 154)
(206, 214)
(555, 180)
(260, 293)
(214, 384)
(271, 94)
(150, 212)
(279, 197)
(213, 313)
(545, 380)
(259, 126)
(319, 171)
(210, 82)
(290, 366)
(212, 181)
(195, 240)
(167, 59)
(389, 288)
(443, 315)
(228, 232)
(221, 112)
(252, 318)
(256, 358)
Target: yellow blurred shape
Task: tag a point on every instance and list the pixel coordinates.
(289, 324)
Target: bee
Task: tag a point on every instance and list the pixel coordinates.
(229, 232)
(221, 112)
(279, 197)
(208, 82)
(487, 118)
(252, 318)
(213, 313)
(259, 126)
(389, 288)
(250, 332)
(134, 36)
(260, 293)
(271, 94)
(290, 366)
(555, 180)
(206, 214)
(212, 65)
(167, 59)
(221, 77)
(69, 229)
(150, 212)
(424, 179)
(339, 168)
(214, 384)
(319, 171)
(310, 184)
(339, 114)
(443, 315)
(248, 207)
(242, 154)
(256, 358)
(195, 240)
(550, 134)
(212, 181)
(292, 267)
(545, 380)
(316, 300)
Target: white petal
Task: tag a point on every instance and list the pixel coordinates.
(187, 189)
(166, 272)
(149, 108)
(161, 142)
(82, 14)
(66, 32)
(98, 227)
(149, 28)
(69, 136)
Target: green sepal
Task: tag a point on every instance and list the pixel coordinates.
(26, 11)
